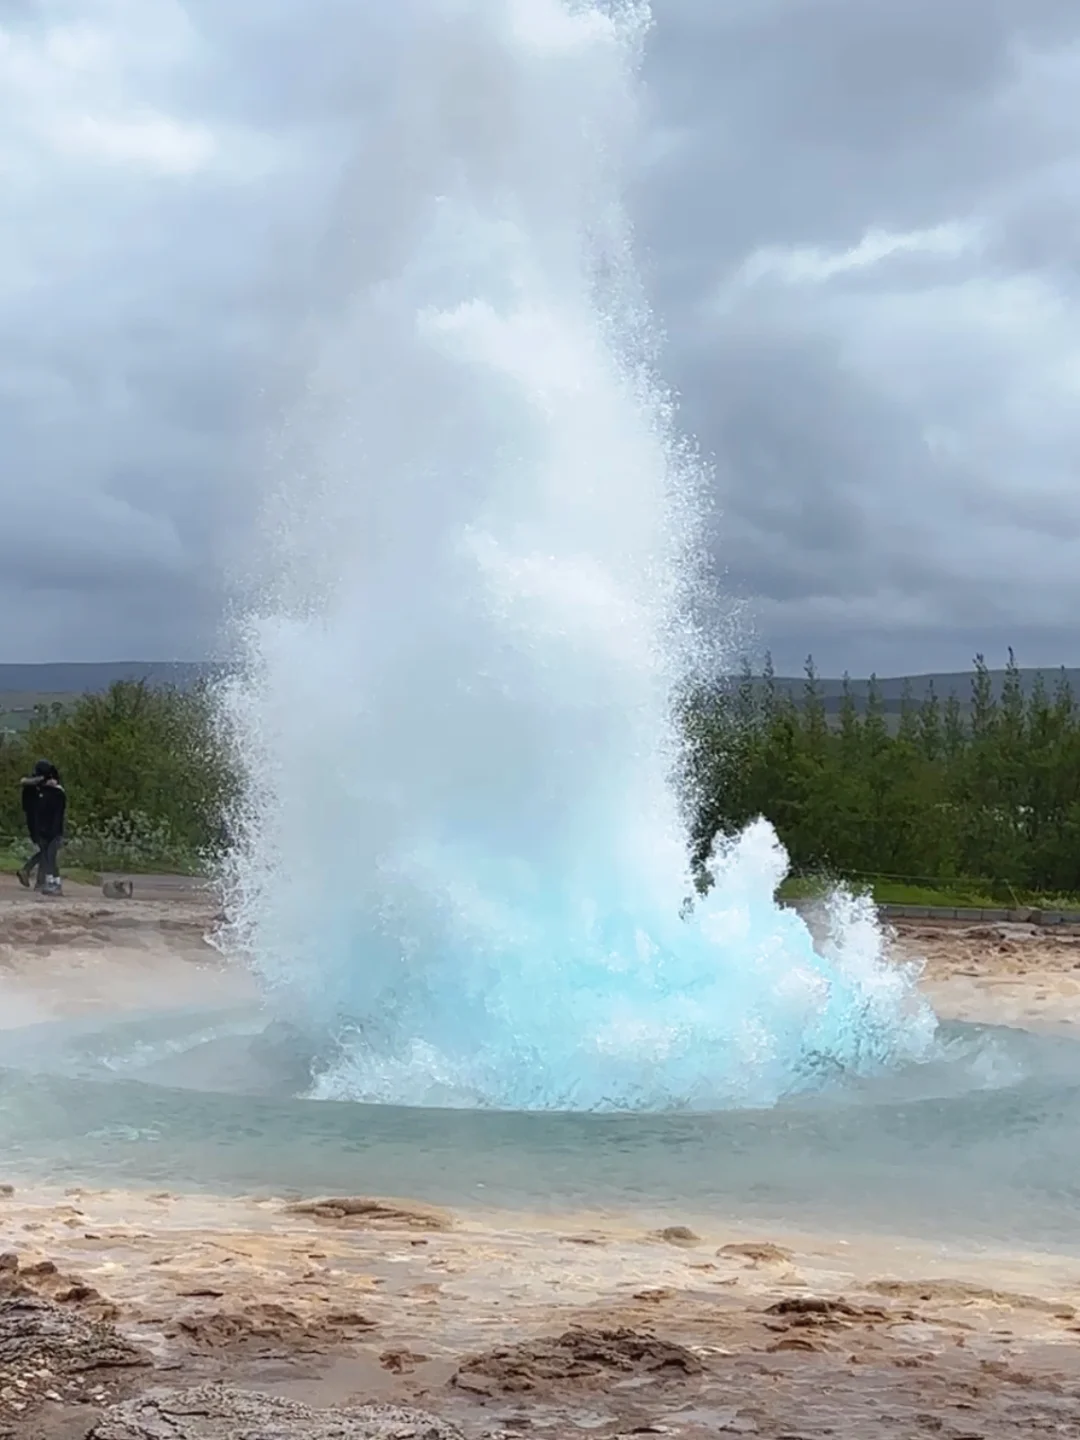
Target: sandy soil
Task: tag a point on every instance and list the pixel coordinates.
(1015, 975)
(83, 954)
(506, 1324)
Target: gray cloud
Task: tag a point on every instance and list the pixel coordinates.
(860, 220)
(868, 248)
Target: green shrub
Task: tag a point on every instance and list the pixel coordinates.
(148, 777)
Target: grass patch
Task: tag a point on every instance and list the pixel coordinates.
(959, 895)
(895, 892)
(79, 873)
(88, 859)
(12, 859)
(87, 865)
(102, 863)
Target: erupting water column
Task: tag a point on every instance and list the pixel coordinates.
(461, 861)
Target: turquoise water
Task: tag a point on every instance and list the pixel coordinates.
(981, 1144)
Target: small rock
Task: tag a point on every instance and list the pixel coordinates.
(578, 1356)
(814, 1307)
(401, 1362)
(375, 1214)
(760, 1252)
(678, 1235)
(794, 1342)
(40, 1270)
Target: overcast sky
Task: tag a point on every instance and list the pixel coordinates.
(859, 219)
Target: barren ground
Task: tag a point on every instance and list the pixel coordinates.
(506, 1323)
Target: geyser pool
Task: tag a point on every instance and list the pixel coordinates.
(980, 1145)
(462, 859)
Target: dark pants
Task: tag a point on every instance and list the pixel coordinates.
(46, 861)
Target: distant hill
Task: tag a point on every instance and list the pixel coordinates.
(23, 687)
(892, 689)
(89, 679)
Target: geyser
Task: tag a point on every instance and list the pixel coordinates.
(461, 860)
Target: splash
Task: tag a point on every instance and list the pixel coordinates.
(462, 859)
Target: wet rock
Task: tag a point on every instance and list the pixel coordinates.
(32, 1329)
(367, 1213)
(118, 889)
(795, 1342)
(49, 1353)
(268, 1329)
(962, 1292)
(812, 1310)
(401, 1362)
(678, 1235)
(577, 1356)
(218, 1413)
(812, 1305)
(43, 1280)
(762, 1252)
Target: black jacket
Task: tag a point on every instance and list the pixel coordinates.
(30, 792)
(50, 812)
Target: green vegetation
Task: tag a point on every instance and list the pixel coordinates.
(960, 896)
(955, 802)
(953, 805)
(147, 774)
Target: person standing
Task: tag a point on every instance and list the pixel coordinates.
(45, 808)
(30, 787)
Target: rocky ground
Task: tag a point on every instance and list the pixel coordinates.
(1018, 975)
(182, 1317)
(120, 1314)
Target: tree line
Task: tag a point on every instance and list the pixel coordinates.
(944, 792)
(988, 792)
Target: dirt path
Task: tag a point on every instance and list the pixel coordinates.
(84, 954)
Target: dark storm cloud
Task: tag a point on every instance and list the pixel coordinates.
(145, 225)
(868, 249)
(860, 220)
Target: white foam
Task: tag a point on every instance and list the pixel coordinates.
(461, 854)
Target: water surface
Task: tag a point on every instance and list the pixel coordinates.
(982, 1144)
